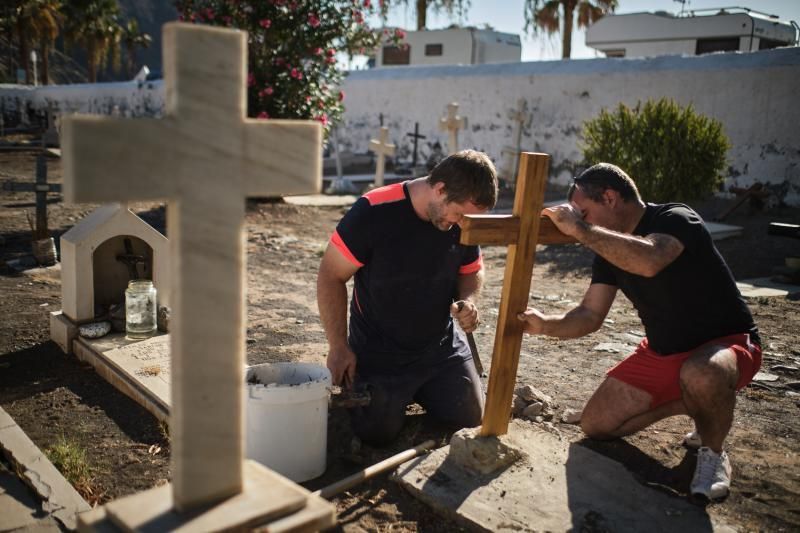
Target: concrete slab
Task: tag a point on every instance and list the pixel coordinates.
(58, 498)
(139, 369)
(369, 178)
(559, 486)
(322, 200)
(760, 287)
(723, 231)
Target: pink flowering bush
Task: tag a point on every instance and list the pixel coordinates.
(292, 50)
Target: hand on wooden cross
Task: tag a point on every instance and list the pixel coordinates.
(534, 321)
(566, 217)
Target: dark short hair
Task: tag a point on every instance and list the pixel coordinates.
(468, 176)
(596, 179)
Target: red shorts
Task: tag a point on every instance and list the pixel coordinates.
(659, 375)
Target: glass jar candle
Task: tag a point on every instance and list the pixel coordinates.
(140, 309)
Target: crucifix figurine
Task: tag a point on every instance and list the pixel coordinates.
(521, 232)
(204, 158)
(452, 123)
(416, 137)
(382, 147)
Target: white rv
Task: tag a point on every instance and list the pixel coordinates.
(452, 46)
(691, 33)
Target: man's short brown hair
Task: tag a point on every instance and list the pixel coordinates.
(468, 176)
(596, 179)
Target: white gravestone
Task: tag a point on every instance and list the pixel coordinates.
(382, 147)
(204, 158)
(452, 123)
(511, 152)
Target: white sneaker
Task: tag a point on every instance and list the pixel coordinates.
(712, 475)
(692, 440)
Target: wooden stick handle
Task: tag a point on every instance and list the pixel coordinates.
(335, 488)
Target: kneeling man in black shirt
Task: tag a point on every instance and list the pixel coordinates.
(701, 343)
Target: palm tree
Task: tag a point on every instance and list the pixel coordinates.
(450, 6)
(132, 38)
(547, 15)
(48, 17)
(93, 25)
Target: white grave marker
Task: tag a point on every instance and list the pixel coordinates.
(205, 158)
(511, 153)
(382, 147)
(452, 123)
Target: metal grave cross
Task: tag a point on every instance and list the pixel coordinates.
(416, 137)
(452, 123)
(382, 147)
(521, 232)
(41, 188)
(511, 152)
(204, 158)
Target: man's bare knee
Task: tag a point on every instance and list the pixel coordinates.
(701, 375)
(594, 428)
(595, 433)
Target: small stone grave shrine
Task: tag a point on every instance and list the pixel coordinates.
(94, 276)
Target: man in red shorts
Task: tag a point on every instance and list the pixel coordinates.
(701, 345)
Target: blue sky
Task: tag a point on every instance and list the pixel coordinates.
(507, 16)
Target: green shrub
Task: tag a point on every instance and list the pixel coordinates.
(671, 152)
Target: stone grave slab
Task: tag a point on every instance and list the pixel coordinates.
(558, 486)
(723, 231)
(753, 288)
(140, 369)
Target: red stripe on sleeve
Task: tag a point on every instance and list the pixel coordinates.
(386, 194)
(473, 267)
(337, 241)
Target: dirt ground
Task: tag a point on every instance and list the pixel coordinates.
(53, 396)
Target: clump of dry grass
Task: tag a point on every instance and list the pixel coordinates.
(70, 459)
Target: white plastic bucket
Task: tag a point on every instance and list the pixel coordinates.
(287, 417)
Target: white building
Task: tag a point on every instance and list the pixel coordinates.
(694, 33)
(453, 46)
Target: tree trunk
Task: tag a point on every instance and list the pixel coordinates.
(569, 12)
(44, 46)
(92, 55)
(24, 53)
(422, 14)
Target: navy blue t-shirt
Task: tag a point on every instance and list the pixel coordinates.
(408, 276)
(692, 300)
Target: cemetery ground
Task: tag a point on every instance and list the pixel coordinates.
(56, 399)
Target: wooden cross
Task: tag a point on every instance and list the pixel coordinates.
(521, 232)
(452, 123)
(416, 137)
(382, 147)
(41, 188)
(205, 158)
(511, 152)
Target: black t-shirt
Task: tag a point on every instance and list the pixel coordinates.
(692, 300)
(400, 309)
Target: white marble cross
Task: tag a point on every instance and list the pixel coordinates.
(204, 158)
(452, 123)
(511, 152)
(382, 147)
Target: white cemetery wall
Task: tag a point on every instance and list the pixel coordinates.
(130, 98)
(752, 94)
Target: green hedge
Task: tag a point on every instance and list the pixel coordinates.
(671, 152)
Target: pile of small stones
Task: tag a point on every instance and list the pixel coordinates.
(532, 404)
